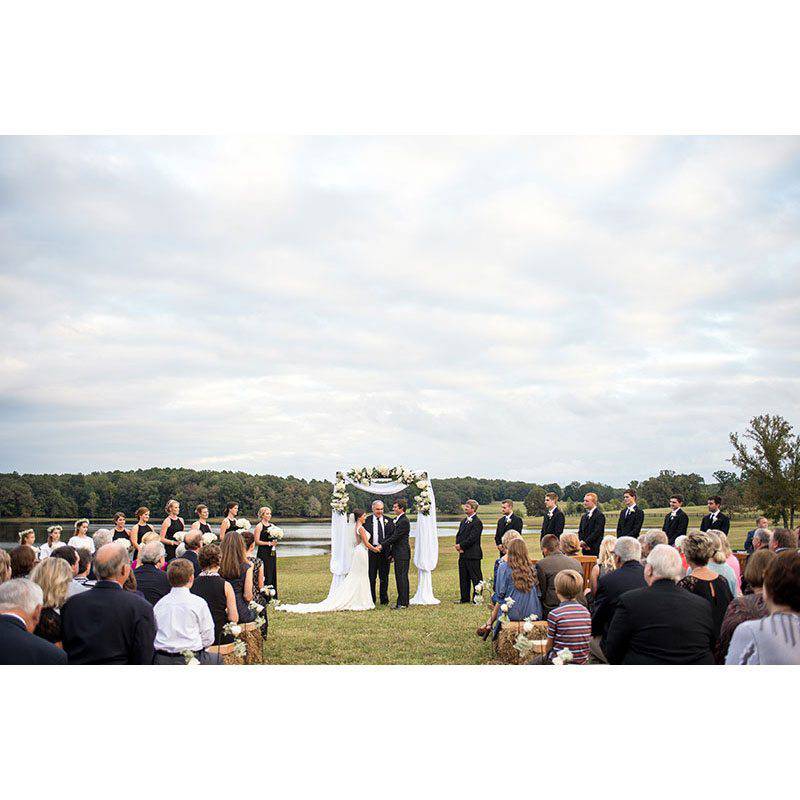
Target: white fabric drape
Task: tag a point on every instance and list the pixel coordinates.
(426, 550)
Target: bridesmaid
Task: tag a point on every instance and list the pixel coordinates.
(169, 527)
(201, 523)
(141, 527)
(120, 531)
(267, 548)
(231, 510)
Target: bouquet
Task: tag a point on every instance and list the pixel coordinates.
(564, 657)
(478, 592)
(209, 537)
(505, 606)
(275, 533)
(232, 628)
(243, 524)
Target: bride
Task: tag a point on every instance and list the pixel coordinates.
(353, 593)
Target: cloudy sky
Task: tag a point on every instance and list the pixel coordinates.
(532, 308)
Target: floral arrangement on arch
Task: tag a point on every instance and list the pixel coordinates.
(365, 476)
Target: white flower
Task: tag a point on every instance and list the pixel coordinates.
(510, 601)
(527, 627)
(275, 532)
(179, 536)
(239, 648)
(242, 524)
(558, 662)
(422, 484)
(189, 658)
(479, 587)
(566, 655)
(478, 599)
(235, 630)
(257, 607)
(270, 590)
(209, 537)
(504, 608)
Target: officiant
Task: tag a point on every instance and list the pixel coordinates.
(379, 527)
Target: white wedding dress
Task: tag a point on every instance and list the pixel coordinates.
(352, 594)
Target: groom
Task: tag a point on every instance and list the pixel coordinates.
(395, 546)
(378, 527)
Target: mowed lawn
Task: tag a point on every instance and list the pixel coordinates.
(443, 634)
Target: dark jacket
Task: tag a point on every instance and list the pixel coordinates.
(630, 524)
(610, 587)
(546, 571)
(591, 530)
(723, 523)
(191, 555)
(469, 537)
(396, 543)
(18, 646)
(152, 582)
(388, 527)
(677, 526)
(554, 524)
(661, 624)
(515, 524)
(108, 625)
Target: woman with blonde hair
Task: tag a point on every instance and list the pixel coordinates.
(5, 566)
(605, 563)
(54, 576)
(699, 548)
(53, 541)
(238, 571)
(570, 544)
(267, 545)
(719, 564)
(730, 559)
(81, 540)
(170, 527)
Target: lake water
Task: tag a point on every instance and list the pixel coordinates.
(300, 538)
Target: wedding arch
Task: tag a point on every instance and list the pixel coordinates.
(386, 480)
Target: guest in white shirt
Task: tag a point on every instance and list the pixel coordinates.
(183, 620)
(70, 555)
(81, 540)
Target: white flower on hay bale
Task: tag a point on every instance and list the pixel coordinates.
(239, 648)
(189, 658)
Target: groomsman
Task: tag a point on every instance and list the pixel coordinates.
(631, 518)
(553, 521)
(508, 522)
(715, 520)
(396, 548)
(378, 527)
(592, 526)
(676, 523)
(468, 546)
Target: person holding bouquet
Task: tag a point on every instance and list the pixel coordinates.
(267, 536)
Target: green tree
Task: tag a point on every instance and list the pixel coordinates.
(534, 502)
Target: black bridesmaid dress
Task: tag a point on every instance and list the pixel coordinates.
(269, 556)
(175, 526)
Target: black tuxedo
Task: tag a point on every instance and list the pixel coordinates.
(108, 625)
(723, 523)
(630, 524)
(152, 582)
(591, 531)
(397, 547)
(503, 525)
(554, 524)
(190, 555)
(379, 562)
(662, 624)
(677, 526)
(610, 587)
(18, 646)
(469, 561)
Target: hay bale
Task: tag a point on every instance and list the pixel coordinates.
(253, 638)
(226, 651)
(504, 643)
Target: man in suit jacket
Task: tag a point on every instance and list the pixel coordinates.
(397, 548)
(628, 575)
(762, 524)
(508, 522)
(108, 625)
(553, 522)
(193, 542)
(468, 546)
(676, 523)
(663, 623)
(631, 518)
(20, 607)
(715, 520)
(379, 526)
(592, 526)
(552, 562)
(151, 580)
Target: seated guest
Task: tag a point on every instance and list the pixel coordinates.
(717, 563)
(150, 580)
(605, 563)
(20, 608)
(679, 547)
(649, 540)
(249, 539)
(107, 625)
(553, 561)
(783, 539)
(508, 537)
(700, 548)
(54, 576)
(5, 566)
(84, 565)
(216, 591)
(748, 606)
(730, 560)
(774, 639)
(570, 544)
(663, 623)
(236, 569)
(22, 560)
(53, 541)
(516, 578)
(72, 557)
(761, 540)
(183, 620)
(762, 524)
(192, 544)
(569, 626)
(628, 575)
(151, 536)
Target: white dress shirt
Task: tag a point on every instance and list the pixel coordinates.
(183, 622)
(630, 509)
(377, 527)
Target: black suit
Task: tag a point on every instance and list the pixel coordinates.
(18, 646)
(379, 562)
(610, 587)
(108, 625)
(662, 624)
(152, 582)
(554, 524)
(469, 561)
(504, 524)
(675, 526)
(591, 530)
(397, 547)
(723, 523)
(630, 524)
(190, 555)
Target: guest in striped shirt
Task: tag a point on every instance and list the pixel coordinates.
(569, 625)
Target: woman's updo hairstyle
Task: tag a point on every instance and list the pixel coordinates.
(699, 547)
